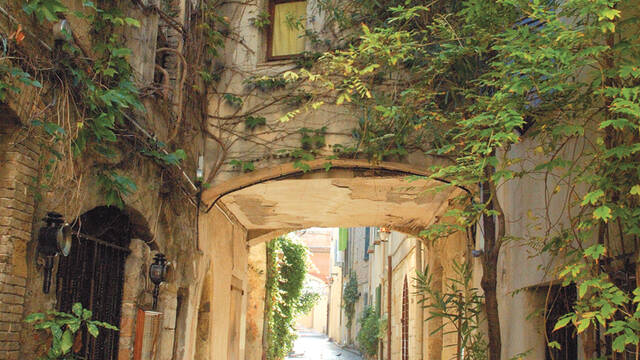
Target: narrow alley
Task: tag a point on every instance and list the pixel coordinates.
(319, 179)
(311, 345)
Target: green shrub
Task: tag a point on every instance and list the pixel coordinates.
(369, 333)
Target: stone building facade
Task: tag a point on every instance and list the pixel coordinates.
(212, 301)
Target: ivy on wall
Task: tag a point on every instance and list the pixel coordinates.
(97, 88)
(350, 296)
(288, 260)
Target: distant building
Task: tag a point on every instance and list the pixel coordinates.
(318, 240)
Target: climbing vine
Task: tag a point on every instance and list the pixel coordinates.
(350, 296)
(96, 97)
(284, 290)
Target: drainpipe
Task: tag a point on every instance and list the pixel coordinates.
(389, 282)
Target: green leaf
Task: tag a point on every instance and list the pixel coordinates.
(132, 22)
(302, 166)
(252, 122)
(67, 341)
(554, 345)
(583, 325)
(635, 190)
(121, 52)
(34, 317)
(93, 330)
(619, 343)
(592, 197)
(608, 13)
(595, 251)
(602, 213)
(86, 314)
(77, 309)
(562, 322)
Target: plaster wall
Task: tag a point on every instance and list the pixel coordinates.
(530, 204)
(256, 281)
(316, 318)
(360, 266)
(335, 301)
(439, 257)
(225, 242)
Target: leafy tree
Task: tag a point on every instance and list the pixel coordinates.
(475, 84)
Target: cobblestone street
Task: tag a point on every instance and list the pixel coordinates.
(314, 346)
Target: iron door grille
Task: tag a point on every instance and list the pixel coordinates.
(93, 274)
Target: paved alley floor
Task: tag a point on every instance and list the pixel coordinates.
(314, 346)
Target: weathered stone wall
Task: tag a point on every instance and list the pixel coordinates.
(18, 168)
(163, 213)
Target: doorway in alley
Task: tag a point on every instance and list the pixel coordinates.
(93, 275)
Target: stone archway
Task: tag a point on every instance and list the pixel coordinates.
(350, 193)
(272, 201)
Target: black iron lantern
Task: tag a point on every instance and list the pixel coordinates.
(157, 274)
(53, 238)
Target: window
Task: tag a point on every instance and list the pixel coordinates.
(286, 32)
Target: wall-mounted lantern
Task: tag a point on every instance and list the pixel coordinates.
(53, 238)
(157, 274)
(384, 233)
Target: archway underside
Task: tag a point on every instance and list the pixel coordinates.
(338, 198)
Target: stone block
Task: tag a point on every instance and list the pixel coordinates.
(10, 327)
(13, 309)
(9, 345)
(20, 259)
(9, 355)
(15, 209)
(12, 289)
(9, 336)
(8, 317)
(127, 324)
(14, 222)
(11, 299)
(124, 353)
(6, 268)
(6, 246)
(13, 280)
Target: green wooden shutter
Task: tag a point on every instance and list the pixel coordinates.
(343, 239)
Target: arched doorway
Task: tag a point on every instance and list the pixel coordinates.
(93, 274)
